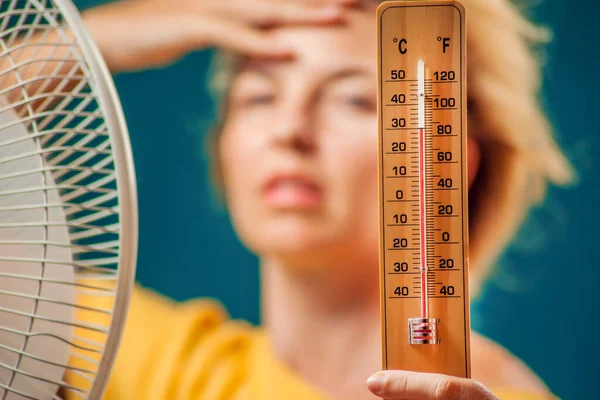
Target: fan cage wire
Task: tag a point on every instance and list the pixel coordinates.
(82, 140)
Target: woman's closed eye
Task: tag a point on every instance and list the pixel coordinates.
(361, 102)
(257, 99)
(253, 89)
(355, 94)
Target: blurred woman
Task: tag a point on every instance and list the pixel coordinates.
(295, 159)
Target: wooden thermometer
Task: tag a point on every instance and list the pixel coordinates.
(423, 186)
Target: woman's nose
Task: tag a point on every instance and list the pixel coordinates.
(294, 127)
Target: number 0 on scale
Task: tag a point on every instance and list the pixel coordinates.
(423, 186)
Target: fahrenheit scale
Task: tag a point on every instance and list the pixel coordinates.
(423, 186)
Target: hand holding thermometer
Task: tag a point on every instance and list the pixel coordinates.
(423, 186)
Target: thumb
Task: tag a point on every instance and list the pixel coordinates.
(414, 385)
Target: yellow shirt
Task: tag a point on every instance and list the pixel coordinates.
(192, 350)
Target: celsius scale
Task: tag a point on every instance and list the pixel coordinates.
(423, 186)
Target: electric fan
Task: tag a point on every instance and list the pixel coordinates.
(68, 206)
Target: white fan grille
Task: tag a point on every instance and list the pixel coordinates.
(67, 207)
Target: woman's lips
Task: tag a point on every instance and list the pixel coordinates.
(292, 192)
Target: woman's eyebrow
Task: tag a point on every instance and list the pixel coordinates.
(351, 73)
(256, 70)
(258, 67)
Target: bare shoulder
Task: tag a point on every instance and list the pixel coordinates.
(496, 367)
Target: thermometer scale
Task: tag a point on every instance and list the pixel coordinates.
(423, 186)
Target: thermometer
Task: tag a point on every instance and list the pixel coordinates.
(423, 186)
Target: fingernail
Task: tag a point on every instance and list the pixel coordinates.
(376, 382)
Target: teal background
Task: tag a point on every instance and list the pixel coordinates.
(542, 303)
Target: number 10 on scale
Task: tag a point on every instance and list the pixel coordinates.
(423, 186)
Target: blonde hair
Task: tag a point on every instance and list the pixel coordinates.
(519, 155)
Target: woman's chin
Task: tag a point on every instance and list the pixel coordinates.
(292, 239)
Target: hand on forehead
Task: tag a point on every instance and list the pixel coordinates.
(353, 41)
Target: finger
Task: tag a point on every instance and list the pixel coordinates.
(324, 2)
(421, 386)
(238, 38)
(273, 12)
(280, 12)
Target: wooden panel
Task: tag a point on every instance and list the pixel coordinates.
(434, 33)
